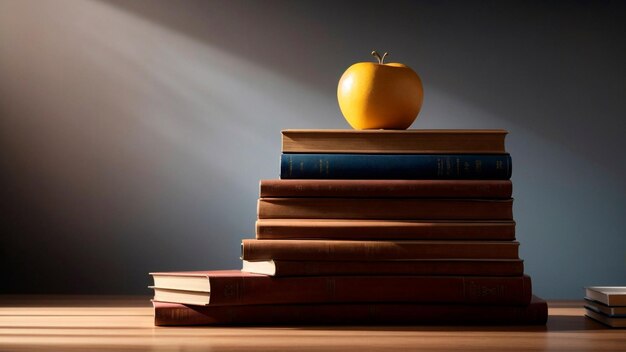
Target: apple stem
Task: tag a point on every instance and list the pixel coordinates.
(381, 60)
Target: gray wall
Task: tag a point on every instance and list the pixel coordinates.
(133, 134)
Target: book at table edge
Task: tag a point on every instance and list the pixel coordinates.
(615, 322)
(173, 314)
(611, 311)
(609, 295)
(416, 141)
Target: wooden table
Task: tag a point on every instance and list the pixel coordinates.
(84, 323)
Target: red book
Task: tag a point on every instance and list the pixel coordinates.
(536, 313)
(338, 229)
(428, 267)
(256, 250)
(385, 208)
(231, 287)
(496, 189)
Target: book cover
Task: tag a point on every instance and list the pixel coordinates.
(605, 319)
(256, 250)
(394, 141)
(396, 166)
(489, 189)
(385, 209)
(172, 314)
(241, 288)
(608, 295)
(340, 229)
(614, 312)
(455, 267)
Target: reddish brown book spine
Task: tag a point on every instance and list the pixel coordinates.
(267, 229)
(385, 209)
(400, 267)
(171, 314)
(376, 250)
(488, 189)
(244, 289)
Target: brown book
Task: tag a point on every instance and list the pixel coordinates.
(233, 287)
(172, 314)
(256, 250)
(267, 229)
(490, 189)
(394, 142)
(385, 209)
(458, 267)
(614, 322)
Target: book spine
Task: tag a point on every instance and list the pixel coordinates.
(385, 209)
(257, 250)
(383, 230)
(170, 314)
(346, 289)
(393, 142)
(401, 267)
(396, 166)
(488, 189)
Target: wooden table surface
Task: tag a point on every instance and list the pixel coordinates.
(84, 323)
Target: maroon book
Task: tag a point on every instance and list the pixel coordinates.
(231, 287)
(385, 208)
(339, 229)
(256, 250)
(496, 189)
(172, 314)
(427, 267)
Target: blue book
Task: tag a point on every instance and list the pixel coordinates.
(396, 166)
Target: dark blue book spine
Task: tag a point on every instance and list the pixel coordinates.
(396, 166)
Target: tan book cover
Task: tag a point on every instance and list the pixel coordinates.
(255, 250)
(394, 141)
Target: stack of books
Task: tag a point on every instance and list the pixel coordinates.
(606, 304)
(372, 227)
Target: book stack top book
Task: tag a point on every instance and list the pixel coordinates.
(394, 142)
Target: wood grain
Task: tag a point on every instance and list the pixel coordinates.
(125, 323)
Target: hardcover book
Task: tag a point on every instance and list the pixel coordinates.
(339, 229)
(230, 287)
(385, 209)
(455, 267)
(608, 295)
(396, 166)
(490, 189)
(172, 314)
(614, 312)
(394, 142)
(311, 250)
(605, 319)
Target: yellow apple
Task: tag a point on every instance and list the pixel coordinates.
(380, 96)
